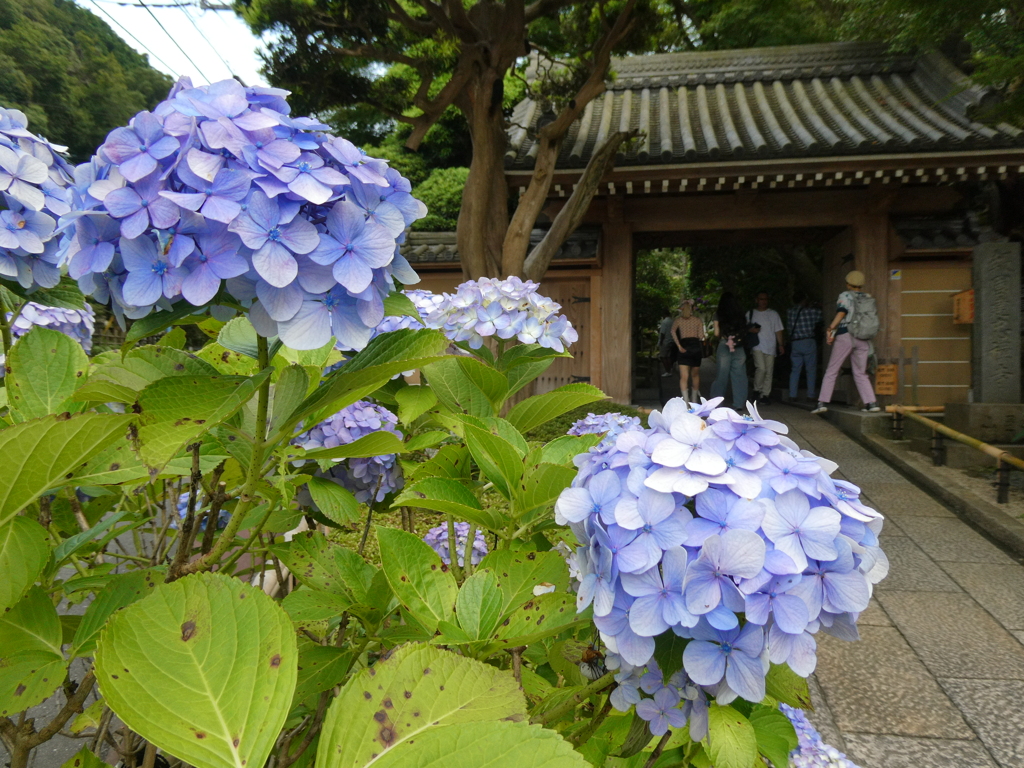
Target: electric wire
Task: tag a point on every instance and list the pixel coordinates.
(133, 37)
(174, 40)
(212, 47)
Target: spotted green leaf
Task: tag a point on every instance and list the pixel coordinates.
(32, 665)
(24, 550)
(204, 667)
(731, 742)
(121, 591)
(421, 582)
(431, 708)
(44, 368)
(43, 454)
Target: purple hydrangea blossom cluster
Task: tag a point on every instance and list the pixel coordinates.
(507, 309)
(812, 751)
(219, 196)
(373, 477)
(34, 180)
(717, 527)
(437, 538)
(610, 424)
(79, 324)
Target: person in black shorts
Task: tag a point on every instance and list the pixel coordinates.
(688, 334)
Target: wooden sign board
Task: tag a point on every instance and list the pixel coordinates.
(887, 380)
(963, 307)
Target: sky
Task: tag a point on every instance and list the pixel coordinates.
(235, 43)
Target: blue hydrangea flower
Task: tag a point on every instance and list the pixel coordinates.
(507, 309)
(33, 194)
(720, 529)
(373, 477)
(812, 751)
(437, 538)
(239, 200)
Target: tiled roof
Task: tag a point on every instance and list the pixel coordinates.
(424, 248)
(793, 101)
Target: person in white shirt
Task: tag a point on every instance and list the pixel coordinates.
(770, 343)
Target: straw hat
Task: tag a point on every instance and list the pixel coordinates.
(856, 278)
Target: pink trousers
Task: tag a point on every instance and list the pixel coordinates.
(843, 347)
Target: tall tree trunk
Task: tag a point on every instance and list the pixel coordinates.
(483, 217)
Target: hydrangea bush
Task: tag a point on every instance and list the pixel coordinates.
(212, 509)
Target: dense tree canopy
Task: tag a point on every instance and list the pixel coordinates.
(70, 73)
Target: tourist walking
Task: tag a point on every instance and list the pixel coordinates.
(730, 328)
(688, 335)
(803, 320)
(769, 343)
(850, 334)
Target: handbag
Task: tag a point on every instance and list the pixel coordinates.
(751, 338)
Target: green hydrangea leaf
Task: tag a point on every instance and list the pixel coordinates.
(44, 368)
(204, 667)
(24, 550)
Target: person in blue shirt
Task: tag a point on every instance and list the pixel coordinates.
(803, 320)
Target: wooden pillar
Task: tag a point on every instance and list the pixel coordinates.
(871, 256)
(617, 305)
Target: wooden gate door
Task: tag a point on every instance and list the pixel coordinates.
(574, 296)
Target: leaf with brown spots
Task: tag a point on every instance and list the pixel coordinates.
(405, 704)
(32, 666)
(46, 366)
(206, 669)
(84, 759)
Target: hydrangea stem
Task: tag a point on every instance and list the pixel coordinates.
(453, 549)
(5, 325)
(247, 496)
(574, 701)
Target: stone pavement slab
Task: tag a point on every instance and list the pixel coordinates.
(992, 708)
(878, 685)
(949, 539)
(954, 636)
(911, 569)
(881, 751)
(998, 588)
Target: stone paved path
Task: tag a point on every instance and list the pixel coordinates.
(938, 676)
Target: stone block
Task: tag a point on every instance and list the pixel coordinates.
(881, 751)
(953, 636)
(878, 685)
(988, 422)
(996, 333)
(989, 708)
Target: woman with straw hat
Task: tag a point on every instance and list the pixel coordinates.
(845, 345)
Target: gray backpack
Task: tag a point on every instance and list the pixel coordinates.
(863, 322)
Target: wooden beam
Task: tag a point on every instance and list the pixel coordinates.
(617, 305)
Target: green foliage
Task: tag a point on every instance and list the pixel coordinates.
(71, 73)
(441, 191)
(225, 644)
(660, 284)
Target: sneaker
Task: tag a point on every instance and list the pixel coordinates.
(871, 408)
(764, 400)
(821, 408)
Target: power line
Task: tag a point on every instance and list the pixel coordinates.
(174, 40)
(212, 48)
(133, 37)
